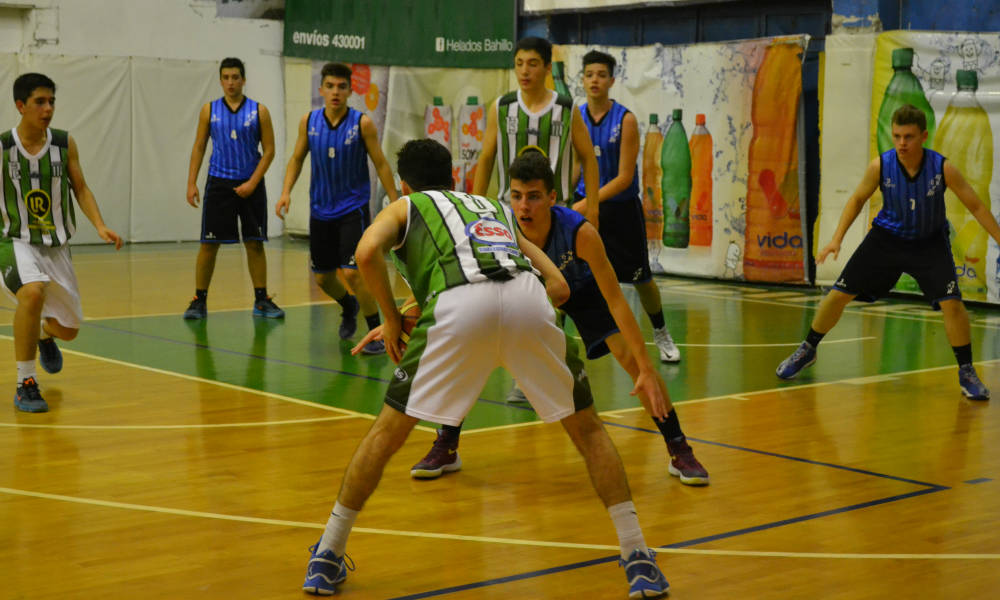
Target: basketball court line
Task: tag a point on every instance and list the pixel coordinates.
(214, 310)
(190, 426)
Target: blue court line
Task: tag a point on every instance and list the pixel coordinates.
(978, 480)
(929, 488)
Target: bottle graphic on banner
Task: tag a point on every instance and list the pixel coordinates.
(903, 88)
(471, 123)
(675, 185)
(965, 138)
(701, 183)
(437, 122)
(559, 78)
(774, 246)
(652, 198)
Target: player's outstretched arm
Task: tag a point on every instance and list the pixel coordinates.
(85, 198)
(198, 154)
(370, 136)
(267, 155)
(956, 182)
(867, 187)
(590, 248)
(584, 148)
(384, 233)
(488, 155)
(294, 167)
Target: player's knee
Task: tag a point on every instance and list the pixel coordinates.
(254, 246)
(32, 295)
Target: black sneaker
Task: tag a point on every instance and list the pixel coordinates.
(268, 309)
(349, 319)
(28, 398)
(196, 310)
(49, 355)
(442, 458)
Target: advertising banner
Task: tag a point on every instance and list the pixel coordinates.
(954, 79)
(721, 167)
(430, 33)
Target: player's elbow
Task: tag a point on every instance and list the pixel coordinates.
(558, 291)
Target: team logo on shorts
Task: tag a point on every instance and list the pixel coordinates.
(400, 374)
(39, 206)
(494, 236)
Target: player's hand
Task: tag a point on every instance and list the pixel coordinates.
(281, 207)
(372, 335)
(647, 385)
(244, 189)
(110, 237)
(392, 326)
(192, 195)
(831, 248)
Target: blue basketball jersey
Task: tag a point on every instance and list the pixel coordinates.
(912, 208)
(561, 248)
(340, 181)
(235, 137)
(606, 135)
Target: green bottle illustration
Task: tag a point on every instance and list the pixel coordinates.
(675, 160)
(559, 78)
(966, 139)
(903, 88)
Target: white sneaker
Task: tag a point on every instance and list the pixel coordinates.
(516, 396)
(669, 352)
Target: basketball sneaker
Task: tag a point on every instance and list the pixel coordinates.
(971, 386)
(49, 355)
(349, 319)
(803, 356)
(645, 580)
(669, 352)
(268, 309)
(442, 458)
(373, 347)
(516, 396)
(196, 310)
(325, 571)
(28, 398)
(683, 464)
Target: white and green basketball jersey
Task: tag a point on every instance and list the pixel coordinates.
(551, 129)
(454, 238)
(37, 203)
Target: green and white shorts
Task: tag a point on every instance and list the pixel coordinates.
(22, 263)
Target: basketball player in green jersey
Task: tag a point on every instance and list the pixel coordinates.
(534, 115)
(41, 173)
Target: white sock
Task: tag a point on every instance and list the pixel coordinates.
(626, 522)
(25, 369)
(338, 526)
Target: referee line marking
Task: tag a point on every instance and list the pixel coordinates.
(477, 538)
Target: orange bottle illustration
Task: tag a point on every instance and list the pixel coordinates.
(652, 195)
(774, 242)
(701, 183)
(471, 123)
(437, 122)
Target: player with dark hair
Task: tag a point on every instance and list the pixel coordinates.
(473, 277)
(40, 177)
(908, 235)
(615, 134)
(596, 305)
(235, 204)
(341, 140)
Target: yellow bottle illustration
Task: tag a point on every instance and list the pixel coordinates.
(965, 138)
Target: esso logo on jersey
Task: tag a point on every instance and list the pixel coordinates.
(489, 231)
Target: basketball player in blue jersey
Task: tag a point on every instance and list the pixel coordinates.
(615, 134)
(909, 235)
(41, 175)
(234, 191)
(596, 305)
(341, 140)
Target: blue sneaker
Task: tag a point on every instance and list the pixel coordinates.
(972, 387)
(374, 347)
(28, 398)
(645, 580)
(49, 355)
(325, 571)
(268, 309)
(196, 310)
(349, 319)
(803, 356)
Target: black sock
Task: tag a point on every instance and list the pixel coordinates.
(813, 338)
(201, 294)
(260, 294)
(963, 354)
(373, 321)
(670, 427)
(657, 320)
(451, 433)
(347, 301)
